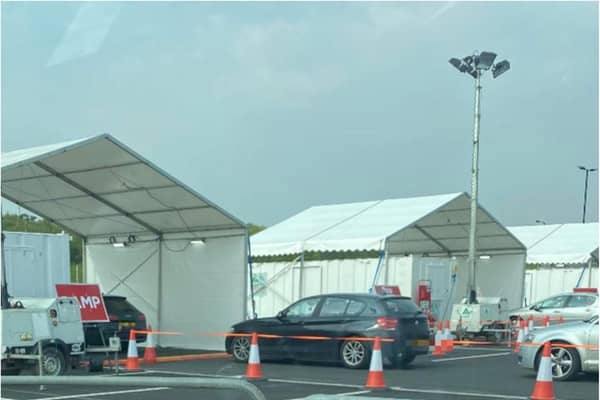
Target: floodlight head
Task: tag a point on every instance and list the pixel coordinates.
(468, 60)
(593, 169)
(581, 167)
(500, 68)
(485, 60)
(458, 64)
(473, 72)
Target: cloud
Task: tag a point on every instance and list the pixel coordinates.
(86, 33)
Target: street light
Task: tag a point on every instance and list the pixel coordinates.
(587, 174)
(540, 221)
(475, 65)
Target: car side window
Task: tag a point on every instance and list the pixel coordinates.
(303, 308)
(581, 300)
(355, 308)
(333, 307)
(553, 302)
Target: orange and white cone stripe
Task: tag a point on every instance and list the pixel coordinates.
(520, 336)
(530, 323)
(447, 342)
(150, 350)
(375, 377)
(254, 371)
(438, 349)
(543, 389)
(133, 362)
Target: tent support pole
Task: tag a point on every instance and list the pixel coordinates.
(84, 271)
(249, 255)
(590, 273)
(301, 275)
(160, 299)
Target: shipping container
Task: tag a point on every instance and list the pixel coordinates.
(35, 262)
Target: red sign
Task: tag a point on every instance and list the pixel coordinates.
(90, 300)
(387, 289)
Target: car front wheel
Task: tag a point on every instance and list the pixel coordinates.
(53, 361)
(240, 348)
(354, 354)
(565, 362)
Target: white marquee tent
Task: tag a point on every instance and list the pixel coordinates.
(564, 254)
(414, 235)
(184, 259)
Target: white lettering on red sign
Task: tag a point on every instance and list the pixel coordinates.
(89, 301)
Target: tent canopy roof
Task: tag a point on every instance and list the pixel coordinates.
(558, 244)
(98, 187)
(419, 225)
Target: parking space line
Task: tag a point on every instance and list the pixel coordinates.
(78, 396)
(471, 357)
(464, 394)
(341, 394)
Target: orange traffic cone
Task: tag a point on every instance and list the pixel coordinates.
(375, 377)
(254, 371)
(133, 362)
(438, 350)
(546, 321)
(150, 350)
(543, 389)
(520, 336)
(447, 342)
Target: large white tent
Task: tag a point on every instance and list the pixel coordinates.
(418, 238)
(561, 256)
(181, 259)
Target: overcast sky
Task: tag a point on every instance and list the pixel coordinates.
(267, 109)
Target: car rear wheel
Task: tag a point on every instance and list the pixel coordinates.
(354, 354)
(240, 348)
(565, 362)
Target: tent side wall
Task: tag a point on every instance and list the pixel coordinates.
(548, 281)
(203, 286)
(131, 272)
(203, 290)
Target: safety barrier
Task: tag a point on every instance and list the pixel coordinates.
(191, 382)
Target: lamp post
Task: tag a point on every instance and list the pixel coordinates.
(587, 175)
(475, 66)
(540, 221)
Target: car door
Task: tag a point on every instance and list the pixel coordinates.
(590, 362)
(579, 307)
(293, 324)
(328, 322)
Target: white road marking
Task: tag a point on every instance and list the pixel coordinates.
(78, 396)
(465, 394)
(315, 383)
(470, 357)
(344, 394)
(156, 371)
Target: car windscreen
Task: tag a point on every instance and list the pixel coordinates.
(119, 306)
(401, 306)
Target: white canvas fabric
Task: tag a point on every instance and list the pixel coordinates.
(559, 244)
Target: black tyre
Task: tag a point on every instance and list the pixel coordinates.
(240, 348)
(96, 366)
(355, 354)
(53, 361)
(566, 363)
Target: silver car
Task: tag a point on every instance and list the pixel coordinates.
(572, 306)
(566, 361)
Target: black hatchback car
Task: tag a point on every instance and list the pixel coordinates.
(338, 316)
(126, 316)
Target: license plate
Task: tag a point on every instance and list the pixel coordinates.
(421, 343)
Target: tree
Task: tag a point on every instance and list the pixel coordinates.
(253, 229)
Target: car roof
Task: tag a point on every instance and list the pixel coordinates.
(362, 296)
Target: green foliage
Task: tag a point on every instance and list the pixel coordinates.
(30, 223)
(317, 256)
(252, 228)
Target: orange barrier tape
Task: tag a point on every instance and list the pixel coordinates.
(473, 342)
(158, 332)
(573, 346)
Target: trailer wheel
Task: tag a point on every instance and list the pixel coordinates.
(53, 361)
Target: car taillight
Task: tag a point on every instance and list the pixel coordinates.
(113, 317)
(387, 323)
(141, 317)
